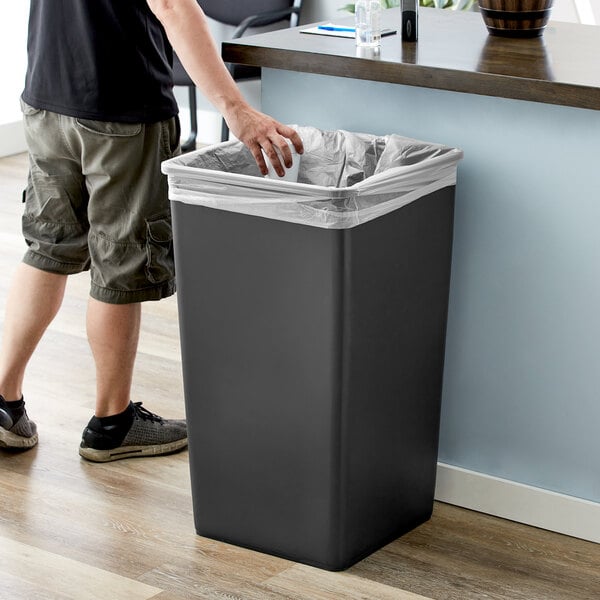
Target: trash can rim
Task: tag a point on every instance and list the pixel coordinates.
(173, 166)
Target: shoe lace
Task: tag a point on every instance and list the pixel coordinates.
(145, 414)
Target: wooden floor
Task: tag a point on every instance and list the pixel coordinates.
(74, 530)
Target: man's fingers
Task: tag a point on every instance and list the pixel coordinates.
(284, 151)
(255, 149)
(293, 136)
(274, 158)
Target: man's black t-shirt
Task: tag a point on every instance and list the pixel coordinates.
(107, 60)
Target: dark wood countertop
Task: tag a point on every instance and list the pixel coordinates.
(454, 52)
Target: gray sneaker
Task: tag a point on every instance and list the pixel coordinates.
(16, 430)
(149, 435)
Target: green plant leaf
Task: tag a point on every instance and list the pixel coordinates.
(451, 4)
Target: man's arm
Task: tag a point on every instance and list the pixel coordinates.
(187, 30)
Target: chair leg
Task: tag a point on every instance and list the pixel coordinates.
(190, 143)
(224, 132)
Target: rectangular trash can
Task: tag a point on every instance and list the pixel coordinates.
(313, 319)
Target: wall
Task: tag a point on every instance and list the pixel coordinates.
(319, 10)
(13, 35)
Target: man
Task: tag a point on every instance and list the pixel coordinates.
(100, 117)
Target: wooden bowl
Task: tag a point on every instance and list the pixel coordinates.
(516, 18)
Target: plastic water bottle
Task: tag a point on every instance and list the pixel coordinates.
(367, 15)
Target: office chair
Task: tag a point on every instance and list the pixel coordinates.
(243, 15)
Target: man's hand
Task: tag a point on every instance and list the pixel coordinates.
(259, 131)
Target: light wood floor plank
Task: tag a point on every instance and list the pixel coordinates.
(130, 523)
(322, 585)
(234, 577)
(60, 577)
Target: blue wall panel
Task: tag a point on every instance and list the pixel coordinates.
(522, 380)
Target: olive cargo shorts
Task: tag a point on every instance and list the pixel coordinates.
(96, 200)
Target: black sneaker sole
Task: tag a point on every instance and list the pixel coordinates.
(11, 440)
(94, 455)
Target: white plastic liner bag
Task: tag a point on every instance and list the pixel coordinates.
(345, 179)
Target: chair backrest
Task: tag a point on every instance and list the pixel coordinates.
(233, 12)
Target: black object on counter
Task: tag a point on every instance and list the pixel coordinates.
(410, 17)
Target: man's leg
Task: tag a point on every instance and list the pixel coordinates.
(113, 332)
(119, 428)
(131, 261)
(33, 301)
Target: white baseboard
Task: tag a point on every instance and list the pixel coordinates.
(522, 503)
(12, 138)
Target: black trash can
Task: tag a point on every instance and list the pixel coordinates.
(313, 321)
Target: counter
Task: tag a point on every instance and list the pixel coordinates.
(454, 53)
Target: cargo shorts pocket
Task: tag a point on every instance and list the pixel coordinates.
(54, 220)
(109, 128)
(159, 248)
